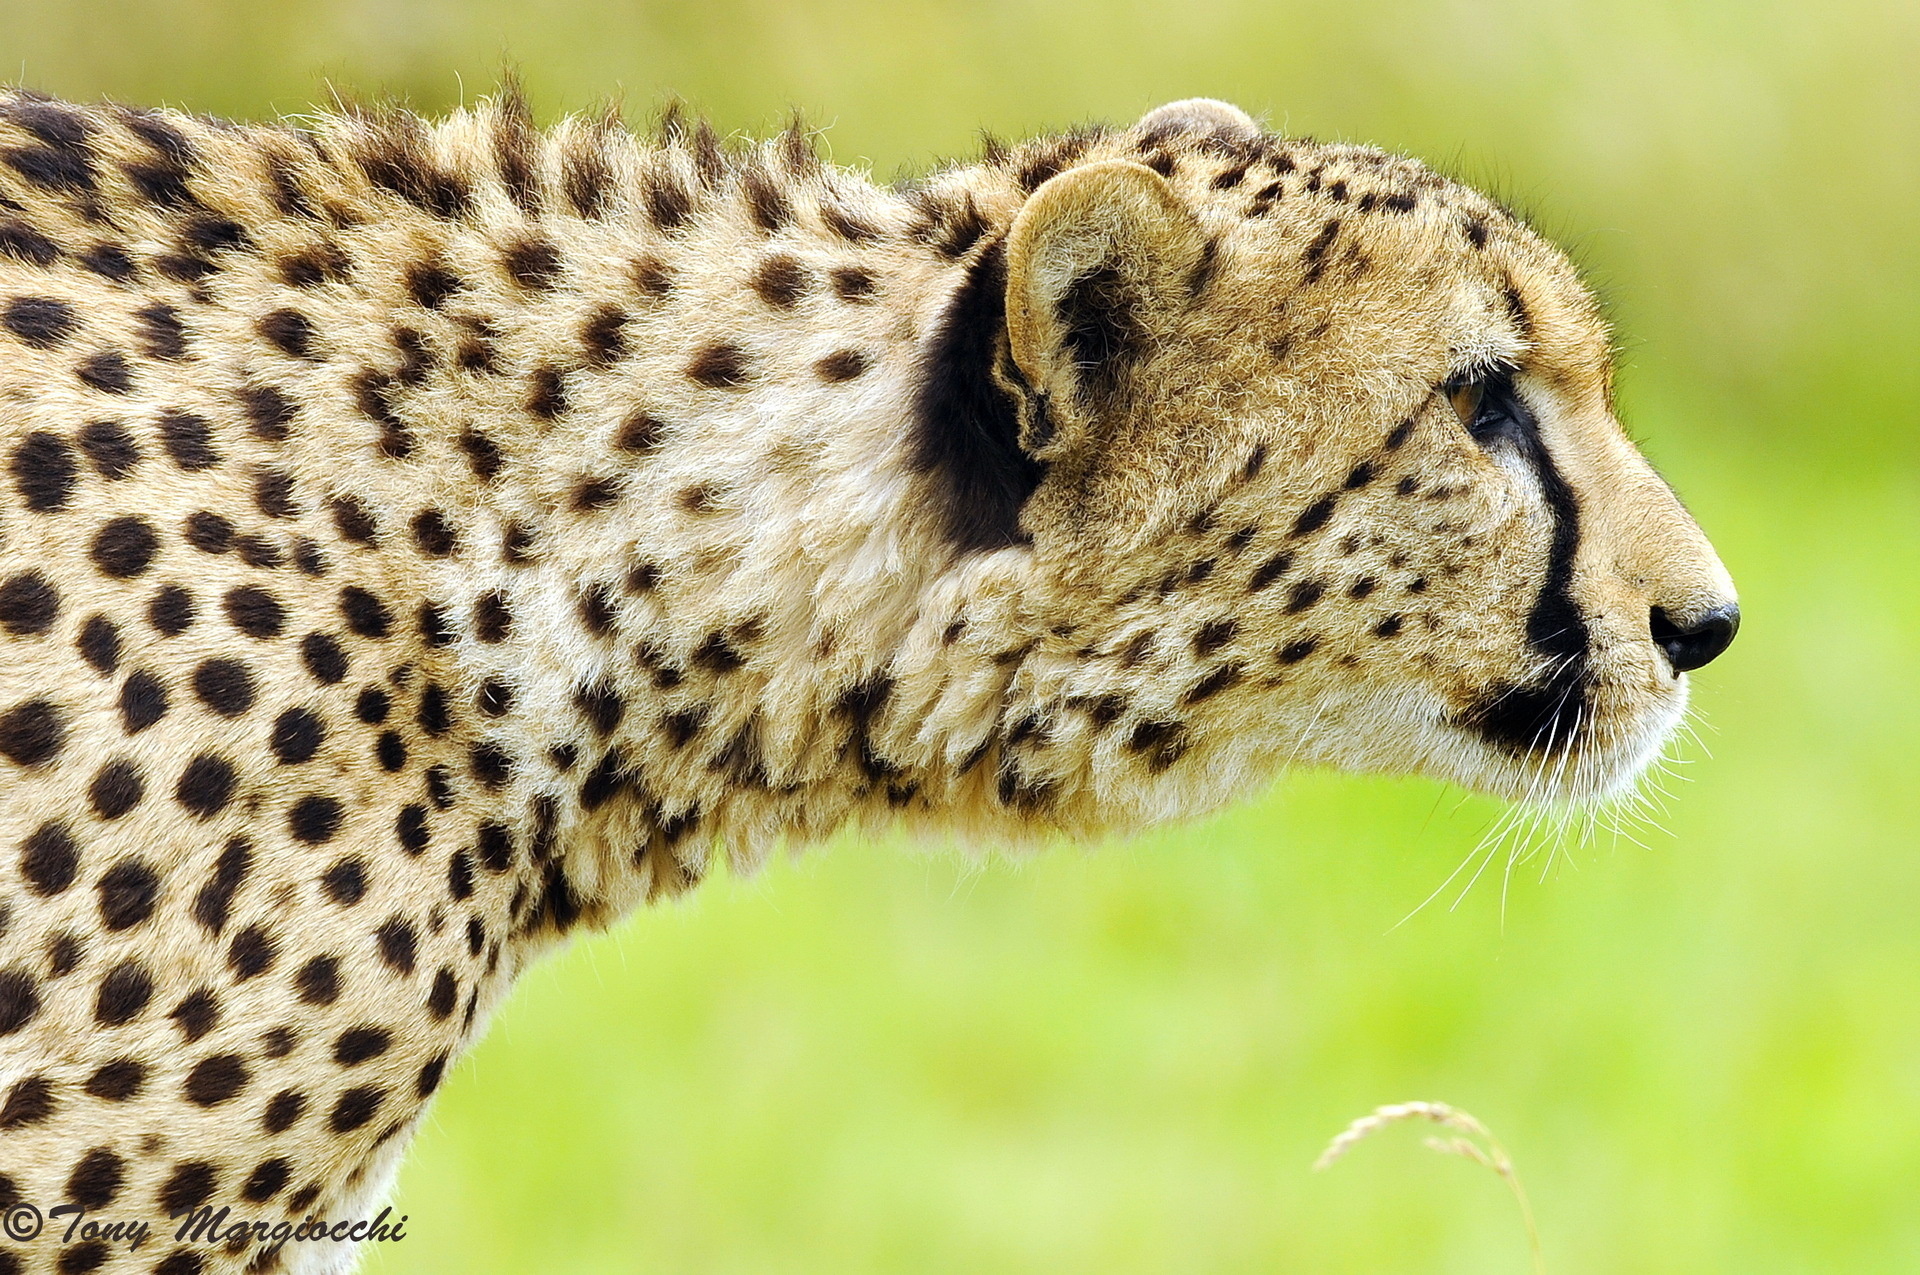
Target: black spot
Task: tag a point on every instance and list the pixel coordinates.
(124, 547)
(93, 1184)
(495, 846)
(397, 942)
(143, 701)
(318, 981)
(483, 454)
(460, 875)
(283, 1110)
(434, 716)
(110, 448)
(56, 168)
(116, 789)
(517, 544)
(124, 993)
(172, 611)
(548, 398)
(1214, 635)
(966, 428)
(109, 261)
(433, 534)
(31, 733)
(49, 860)
(1314, 517)
(1294, 652)
(28, 605)
(100, 644)
(397, 159)
(128, 891)
(851, 283)
(117, 1081)
(355, 1107)
(722, 366)
(1399, 435)
(206, 785)
(29, 1101)
(326, 662)
(430, 284)
(42, 322)
(25, 244)
(1314, 258)
(365, 614)
(1389, 626)
(314, 819)
(781, 281)
(596, 609)
(492, 620)
(251, 953)
(353, 521)
(411, 829)
(162, 331)
(209, 532)
(604, 336)
(667, 201)
(273, 493)
(372, 706)
(1303, 595)
(494, 698)
(190, 1186)
(601, 705)
(215, 1080)
(188, 439)
(196, 1014)
(44, 471)
(1161, 743)
(766, 205)
(717, 655)
(268, 1177)
(842, 365)
(291, 332)
(357, 1044)
(225, 686)
(490, 763)
(297, 734)
(533, 263)
(215, 900)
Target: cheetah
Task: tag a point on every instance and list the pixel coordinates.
(422, 539)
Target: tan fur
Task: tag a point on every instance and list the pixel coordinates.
(633, 423)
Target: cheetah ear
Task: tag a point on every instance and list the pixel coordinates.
(1096, 260)
(1206, 116)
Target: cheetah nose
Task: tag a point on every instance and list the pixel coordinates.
(1697, 642)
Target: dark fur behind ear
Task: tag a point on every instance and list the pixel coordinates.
(966, 431)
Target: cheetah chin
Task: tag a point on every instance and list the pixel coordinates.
(420, 539)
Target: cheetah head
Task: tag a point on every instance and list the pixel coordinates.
(1330, 474)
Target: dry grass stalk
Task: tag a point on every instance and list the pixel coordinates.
(1478, 1145)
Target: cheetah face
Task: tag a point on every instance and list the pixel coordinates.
(1332, 476)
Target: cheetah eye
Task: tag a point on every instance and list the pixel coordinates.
(1488, 405)
(1466, 399)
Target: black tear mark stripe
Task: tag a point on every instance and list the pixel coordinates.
(1537, 717)
(966, 432)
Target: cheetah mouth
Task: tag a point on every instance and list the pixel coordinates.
(1542, 718)
(1561, 739)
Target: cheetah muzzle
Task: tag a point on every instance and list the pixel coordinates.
(419, 539)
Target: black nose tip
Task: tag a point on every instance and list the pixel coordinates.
(1698, 642)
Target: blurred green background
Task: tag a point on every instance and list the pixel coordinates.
(1704, 1052)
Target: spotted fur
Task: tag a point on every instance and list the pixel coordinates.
(420, 539)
